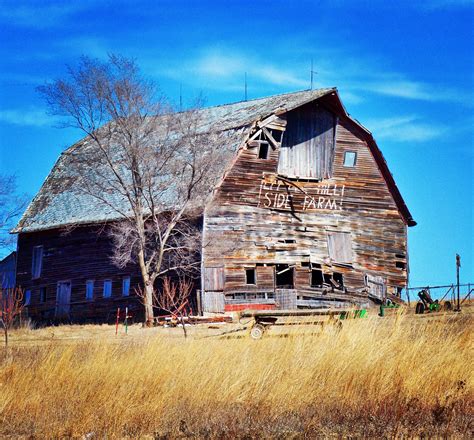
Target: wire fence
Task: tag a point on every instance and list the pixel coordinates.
(448, 292)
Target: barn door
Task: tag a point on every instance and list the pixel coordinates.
(63, 299)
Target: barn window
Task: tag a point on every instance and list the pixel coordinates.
(317, 279)
(307, 150)
(339, 279)
(126, 286)
(90, 289)
(250, 276)
(42, 294)
(340, 247)
(37, 262)
(284, 276)
(27, 297)
(400, 265)
(107, 292)
(350, 158)
(263, 150)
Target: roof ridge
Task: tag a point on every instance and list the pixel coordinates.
(268, 97)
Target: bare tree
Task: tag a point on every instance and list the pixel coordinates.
(11, 206)
(11, 306)
(174, 299)
(145, 165)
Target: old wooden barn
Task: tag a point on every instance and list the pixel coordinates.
(306, 214)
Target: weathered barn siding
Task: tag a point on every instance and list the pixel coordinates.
(258, 220)
(77, 256)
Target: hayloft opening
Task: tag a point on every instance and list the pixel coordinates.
(263, 150)
(284, 276)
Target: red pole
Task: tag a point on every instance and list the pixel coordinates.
(117, 321)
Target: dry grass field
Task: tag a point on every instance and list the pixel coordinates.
(401, 375)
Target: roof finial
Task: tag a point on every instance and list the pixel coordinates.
(312, 71)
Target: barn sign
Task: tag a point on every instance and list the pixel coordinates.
(278, 193)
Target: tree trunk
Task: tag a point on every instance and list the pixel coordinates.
(184, 328)
(6, 336)
(148, 303)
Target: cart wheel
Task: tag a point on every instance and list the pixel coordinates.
(257, 331)
(420, 308)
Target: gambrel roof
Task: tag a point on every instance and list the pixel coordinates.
(59, 203)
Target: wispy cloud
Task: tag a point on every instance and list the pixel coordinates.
(44, 14)
(410, 128)
(224, 68)
(33, 117)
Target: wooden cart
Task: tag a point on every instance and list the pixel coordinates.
(262, 320)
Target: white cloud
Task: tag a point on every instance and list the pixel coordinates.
(224, 69)
(410, 128)
(32, 117)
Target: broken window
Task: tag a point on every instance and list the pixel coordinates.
(27, 297)
(284, 276)
(89, 289)
(350, 158)
(125, 286)
(263, 150)
(400, 265)
(338, 279)
(277, 135)
(340, 247)
(107, 292)
(307, 150)
(37, 262)
(250, 276)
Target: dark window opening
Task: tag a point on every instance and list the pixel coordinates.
(42, 294)
(327, 278)
(263, 150)
(317, 279)
(260, 264)
(400, 255)
(284, 276)
(37, 262)
(399, 291)
(277, 135)
(339, 279)
(250, 276)
(305, 264)
(350, 158)
(400, 265)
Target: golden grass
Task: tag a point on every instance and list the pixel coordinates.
(376, 377)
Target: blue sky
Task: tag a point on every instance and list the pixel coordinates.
(404, 70)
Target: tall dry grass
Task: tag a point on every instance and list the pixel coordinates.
(375, 377)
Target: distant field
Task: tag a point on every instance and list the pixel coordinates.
(378, 377)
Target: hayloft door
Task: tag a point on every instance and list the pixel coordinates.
(63, 299)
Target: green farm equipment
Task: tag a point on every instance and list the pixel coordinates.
(427, 304)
